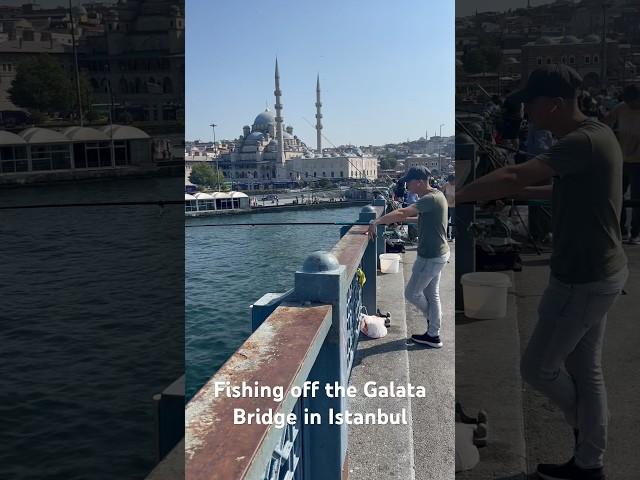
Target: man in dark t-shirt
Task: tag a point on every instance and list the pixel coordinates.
(588, 264)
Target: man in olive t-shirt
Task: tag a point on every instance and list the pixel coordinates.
(423, 289)
(588, 265)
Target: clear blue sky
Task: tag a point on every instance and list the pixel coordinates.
(386, 68)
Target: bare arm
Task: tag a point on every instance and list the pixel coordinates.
(400, 215)
(505, 182)
(542, 192)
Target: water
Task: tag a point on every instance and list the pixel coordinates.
(229, 268)
(91, 327)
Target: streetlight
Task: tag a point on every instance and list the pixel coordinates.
(213, 127)
(440, 147)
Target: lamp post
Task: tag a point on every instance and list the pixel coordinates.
(213, 127)
(440, 147)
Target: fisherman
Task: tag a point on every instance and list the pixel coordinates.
(563, 359)
(430, 212)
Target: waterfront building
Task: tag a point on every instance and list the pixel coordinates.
(72, 151)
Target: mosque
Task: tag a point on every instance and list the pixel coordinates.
(269, 155)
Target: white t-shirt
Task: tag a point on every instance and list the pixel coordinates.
(627, 122)
(449, 191)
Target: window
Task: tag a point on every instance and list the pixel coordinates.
(120, 153)
(563, 59)
(324, 174)
(548, 60)
(13, 159)
(306, 175)
(572, 60)
(332, 175)
(50, 157)
(596, 59)
(587, 59)
(314, 174)
(341, 173)
(539, 61)
(97, 154)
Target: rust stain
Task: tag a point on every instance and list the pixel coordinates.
(351, 247)
(273, 356)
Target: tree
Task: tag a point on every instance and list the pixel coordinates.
(388, 162)
(324, 183)
(204, 175)
(42, 85)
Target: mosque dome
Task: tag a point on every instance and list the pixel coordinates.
(254, 138)
(265, 118)
(511, 60)
(287, 136)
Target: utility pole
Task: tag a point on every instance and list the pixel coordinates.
(603, 56)
(213, 127)
(75, 63)
(440, 148)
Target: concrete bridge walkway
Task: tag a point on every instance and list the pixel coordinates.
(424, 448)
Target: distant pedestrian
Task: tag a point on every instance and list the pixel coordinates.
(625, 120)
(449, 190)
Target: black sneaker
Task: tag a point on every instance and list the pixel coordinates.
(569, 471)
(425, 339)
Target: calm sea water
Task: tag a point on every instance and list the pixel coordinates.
(229, 268)
(91, 327)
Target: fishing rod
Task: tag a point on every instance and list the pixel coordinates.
(264, 224)
(160, 203)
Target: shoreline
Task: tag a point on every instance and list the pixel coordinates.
(280, 208)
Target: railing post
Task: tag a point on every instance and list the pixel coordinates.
(265, 307)
(369, 263)
(322, 279)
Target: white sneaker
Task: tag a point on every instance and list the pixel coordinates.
(634, 240)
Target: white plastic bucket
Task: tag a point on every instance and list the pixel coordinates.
(485, 294)
(389, 263)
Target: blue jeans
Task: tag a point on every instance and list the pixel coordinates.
(423, 290)
(563, 359)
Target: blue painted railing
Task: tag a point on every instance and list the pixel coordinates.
(309, 334)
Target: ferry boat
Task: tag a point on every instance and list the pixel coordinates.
(215, 203)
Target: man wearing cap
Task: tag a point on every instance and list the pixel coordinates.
(588, 265)
(423, 289)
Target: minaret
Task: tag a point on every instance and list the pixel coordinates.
(279, 119)
(318, 117)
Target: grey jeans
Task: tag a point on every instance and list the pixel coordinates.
(423, 290)
(563, 359)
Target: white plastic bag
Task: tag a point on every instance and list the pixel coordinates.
(373, 326)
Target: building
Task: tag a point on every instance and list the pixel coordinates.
(267, 154)
(73, 150)
(137, 62)
(436, 163)
(583, 54)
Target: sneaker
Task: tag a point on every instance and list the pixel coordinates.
(425, 339)
(634, 240)
(569, 471)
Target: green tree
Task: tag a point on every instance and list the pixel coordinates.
(42, 85)
(324, 183)
(388, 162)
(205, 176)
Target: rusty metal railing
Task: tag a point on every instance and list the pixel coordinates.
(308, 334)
